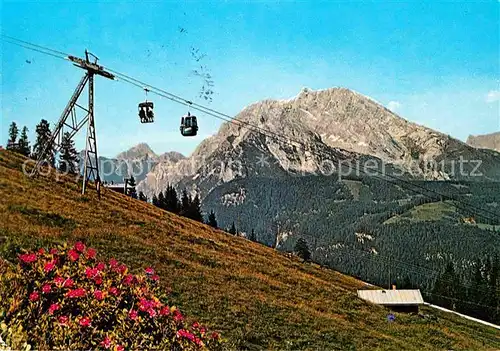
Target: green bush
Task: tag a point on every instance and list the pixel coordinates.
(65, 298)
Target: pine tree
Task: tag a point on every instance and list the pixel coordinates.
(448, 288)
(302, 250)
(495, 289)
(68, 157)
(42, 138)
(195, 209)
(13, 133)
(252, 236)
(132, 192)
(185, 203)
(155, 201)
(171, 200)
(212, 221)
(161, 200)
(142, 197)
(232, 230)
(24, 144)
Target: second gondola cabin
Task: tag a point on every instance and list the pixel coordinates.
(146, 113)
(189, 125)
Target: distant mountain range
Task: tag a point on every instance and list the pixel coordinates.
(487, 141)
(137, 161)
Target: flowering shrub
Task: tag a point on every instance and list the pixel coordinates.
(68, 299)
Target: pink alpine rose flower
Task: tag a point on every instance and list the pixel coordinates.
(73, 255)
(80, 292)
(46, 288)
(106, 342)
(91, 272)
(68, 283)
(28, 258)
(98, 295)
(114, 291)
(79, 246)
(85, 321)
(132, 315)
(34, 296)
(165, 311)
(59, 281)
(178, 316)
(54, 307)
(122, 269)
(49, 266)
(128, 280)
(113, 263)
(152, 313)
(63, 320)
(90, 253)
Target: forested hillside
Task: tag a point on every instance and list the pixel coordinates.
(368, 227)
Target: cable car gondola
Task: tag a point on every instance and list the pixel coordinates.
(146, 113)
(189, 125)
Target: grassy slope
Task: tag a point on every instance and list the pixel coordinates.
(433, 211)
(254, 295)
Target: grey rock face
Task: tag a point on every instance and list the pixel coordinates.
(298, 135)
(488, 141)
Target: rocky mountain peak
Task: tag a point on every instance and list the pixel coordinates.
(141, 151)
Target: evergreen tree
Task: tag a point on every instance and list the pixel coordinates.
(302, 250)
(212, 221)
(142, 197)
(13, 133)
(448, 288)
(155, 201)
(195, 209)
(161, 200)
(171, 200)
(232, 230)
(132, 192)
(185, 204)
(24, 144)
(252, 236)
(68, 157)
(42, 138)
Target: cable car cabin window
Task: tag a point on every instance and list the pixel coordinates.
(146, 114)
(189, 126)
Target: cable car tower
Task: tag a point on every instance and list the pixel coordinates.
(69, 119)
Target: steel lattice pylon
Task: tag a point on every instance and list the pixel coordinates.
(69, 119)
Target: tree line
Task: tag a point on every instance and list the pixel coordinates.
(190, 207)
(476, 295)
(67, 160)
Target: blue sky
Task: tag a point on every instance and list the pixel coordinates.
(434, 63)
